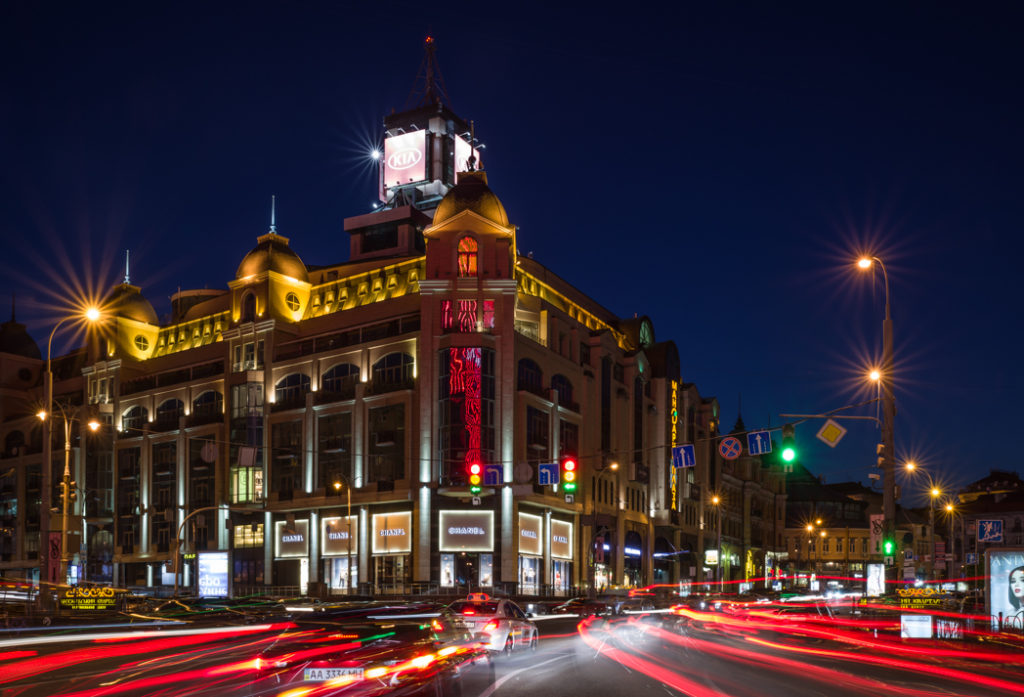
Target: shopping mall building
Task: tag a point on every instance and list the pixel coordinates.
(310, 427)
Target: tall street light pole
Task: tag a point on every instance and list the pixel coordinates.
(47, 572)
(717, 502)
(935, 493)
(950, 513)
(889, 410)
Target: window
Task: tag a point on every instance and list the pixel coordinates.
(247, 401)
(202, 460)
(537, 435)
(334, 441)
(134, 420)
(466, 406)
(386, 462)
(393, 369)
(341, 378)
(467, 257)
(249, 535)
(291, 390)
(169, 411)
(286, 458)
(248, 307)
(564, 387)
(530, 377)
(141, 343)
(208, 404)
(248, 356)
(292, 301)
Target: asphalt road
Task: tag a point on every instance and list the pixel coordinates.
(633, 656)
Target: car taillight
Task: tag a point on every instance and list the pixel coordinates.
(490, 626)
(376, 673)
(469, 612)
(436, 626)
(423, 661)
(258, 663)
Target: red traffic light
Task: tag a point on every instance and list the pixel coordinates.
(475, 468)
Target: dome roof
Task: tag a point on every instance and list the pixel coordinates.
(471, 193)
(15, 340)
(127, 301)
(272, 253)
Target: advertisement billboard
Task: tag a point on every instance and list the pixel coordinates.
(1004, 596)
(405, 159)
(392, 533)
(213, 574)
(876, 580)
(529, 534)
(339, 536)
(561, 539)
(291, 540)
(462, 152)
(466, 531)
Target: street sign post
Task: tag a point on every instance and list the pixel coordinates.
(492, 475)
(547, 473)
(831, 433)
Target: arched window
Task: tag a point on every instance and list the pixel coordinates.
(249, 307)
(467, 257)
(168, 411)
(290, 391)
(564, 387)
(209, 404)
(340, 378)
(530, 376)
(394, 370)
(134, 420)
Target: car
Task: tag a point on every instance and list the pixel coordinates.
(583, 607)
(502, 625)
(366, 657)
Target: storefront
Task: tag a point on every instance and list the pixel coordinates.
(633, 559)
(531, 553)
(466, 543)
(561, 557)
(339, 549)
(291, 554)
(391, 549)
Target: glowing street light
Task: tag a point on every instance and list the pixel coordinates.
(717, 503)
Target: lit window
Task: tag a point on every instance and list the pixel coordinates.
(141, 343)
(292, 301)
(467, 257)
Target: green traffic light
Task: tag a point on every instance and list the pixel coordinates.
(789, 454)
(889, 546)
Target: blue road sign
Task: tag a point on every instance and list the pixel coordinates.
(990, 531)
(730, 448)
(492, 475)
(759, 443)
(683, 456)
(547, 473)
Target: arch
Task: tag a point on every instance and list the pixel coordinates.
(394, 369)
(564, 386)
(248, 307)
(134, 418)
(340, 377)
(468, 257)
(170, 409)
(291, 389)
(530, 376)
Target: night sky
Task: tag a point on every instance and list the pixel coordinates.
(717, 167)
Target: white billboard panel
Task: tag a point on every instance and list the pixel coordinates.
(405, 159)
(213, 574)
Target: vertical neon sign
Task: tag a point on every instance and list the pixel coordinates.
(464, 380)
(675, 434)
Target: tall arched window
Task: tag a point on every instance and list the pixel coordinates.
(248, 308)
(467, 257)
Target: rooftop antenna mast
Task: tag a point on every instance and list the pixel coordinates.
(126, 276)
(433, 90)
(273, 213)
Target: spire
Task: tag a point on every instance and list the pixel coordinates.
(740, 427)
(126, 276)
(273, 214)
(429, 76)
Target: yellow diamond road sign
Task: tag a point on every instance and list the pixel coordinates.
(831, 433)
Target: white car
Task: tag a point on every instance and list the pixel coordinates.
(502, 624)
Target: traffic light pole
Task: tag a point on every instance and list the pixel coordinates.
(888, 428)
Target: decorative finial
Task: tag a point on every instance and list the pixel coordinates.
(126, 276)
(471, 162)
(273, 212)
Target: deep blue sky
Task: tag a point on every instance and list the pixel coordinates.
(715, 166)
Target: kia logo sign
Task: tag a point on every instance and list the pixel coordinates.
(405, 158)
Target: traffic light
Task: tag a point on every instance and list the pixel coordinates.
(788, 443)
(888, 546)
(476, 473)
(72, 492)
(569, 473)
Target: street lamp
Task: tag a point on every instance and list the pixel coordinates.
(716, 501)
(91, 315)
(931, 531)
(950, 514)
(889, 408)
(348, 524)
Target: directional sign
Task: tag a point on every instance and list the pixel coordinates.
(683, 456)
(730, 448)
(547, 473)
(990, 531)
(492, 475)
(831, 433)
(759, 443)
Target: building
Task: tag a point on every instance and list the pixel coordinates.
(311, 427)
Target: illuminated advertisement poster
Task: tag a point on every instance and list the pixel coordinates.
(466, 531)
(213, 574)
(392, 533)
(447, 570)
(486, 570)
(915, 626)
(876, 580)
(291, 541)
(462, 151)
(529, 534)
(405, 159)
(1005, 593)
(561, 539)
(339, 536)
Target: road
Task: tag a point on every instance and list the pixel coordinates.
(637, 655)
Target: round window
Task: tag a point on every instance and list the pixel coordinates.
(292, 301)
(141, 343)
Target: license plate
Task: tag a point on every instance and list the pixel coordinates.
(321, 674)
